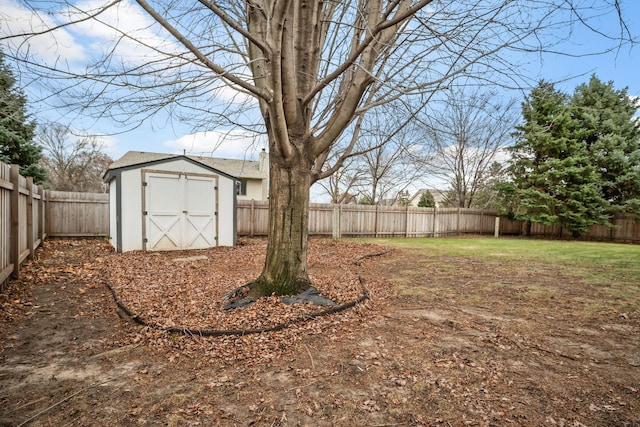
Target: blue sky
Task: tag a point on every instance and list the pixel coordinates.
(622, 66)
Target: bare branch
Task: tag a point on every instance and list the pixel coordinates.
(220, 71)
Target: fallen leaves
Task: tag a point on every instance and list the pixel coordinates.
(185, 290)
(15, 300)
(392, 360)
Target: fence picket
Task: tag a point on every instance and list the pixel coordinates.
(77, 214)
(20, 204)
(394, 221)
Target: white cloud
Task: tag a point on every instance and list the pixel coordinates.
(122, 32)
(235, 144)
(15, 19)
(228, 94)
(110, 145)
(123, 27)
(123, 16)
(136, 35)
(133, 39)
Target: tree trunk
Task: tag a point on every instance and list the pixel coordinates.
(527, 228)
(285, 269)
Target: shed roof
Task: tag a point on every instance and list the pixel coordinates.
(233, 167)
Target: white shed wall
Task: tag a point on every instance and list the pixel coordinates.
(113, 220)
(226, 211)
(132, 202)
(131, 199)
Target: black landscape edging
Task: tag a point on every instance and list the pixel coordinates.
(124, 312)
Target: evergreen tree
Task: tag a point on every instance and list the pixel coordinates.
(17, 130)
(606, 124)
(552, 179)
(365, 200)
(426, 200)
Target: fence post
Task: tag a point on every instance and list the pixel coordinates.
(496, 229)
(14, 250)
(30, 233)
(335, 222)
(48, 207)
(251, 218)
(434, 222)
(42, 232)
(406, 223)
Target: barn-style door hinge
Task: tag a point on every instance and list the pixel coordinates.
(145, 183)
(145, 213)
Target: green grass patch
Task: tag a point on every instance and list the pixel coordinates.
(624, 259)
(613, 268)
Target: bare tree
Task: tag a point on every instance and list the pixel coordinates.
(309, 69)
(379, 164)
(467, 136)
(342, 186)
(73, 162)
(389, 167)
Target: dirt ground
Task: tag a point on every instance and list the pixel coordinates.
(440, 342)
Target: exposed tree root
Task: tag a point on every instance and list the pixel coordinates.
(125, 313)
(362, 258)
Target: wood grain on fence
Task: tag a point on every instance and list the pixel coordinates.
(624, 228)
(22, 212)
(376, 221)
(399, 221)
(28, 213)
(77, 214)
(6, 189)
(252, 218)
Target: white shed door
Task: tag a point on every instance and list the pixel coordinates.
(180, 211)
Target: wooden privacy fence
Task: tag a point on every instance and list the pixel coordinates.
(623, 229)
(71, 214)
(395, 221)
(87, 214)
(28, 214)
(22, 212)
(380, 221)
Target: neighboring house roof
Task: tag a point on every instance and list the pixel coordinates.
(233, 167)
(416, 197)
(438, 196)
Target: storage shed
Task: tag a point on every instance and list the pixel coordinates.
(168, 202)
